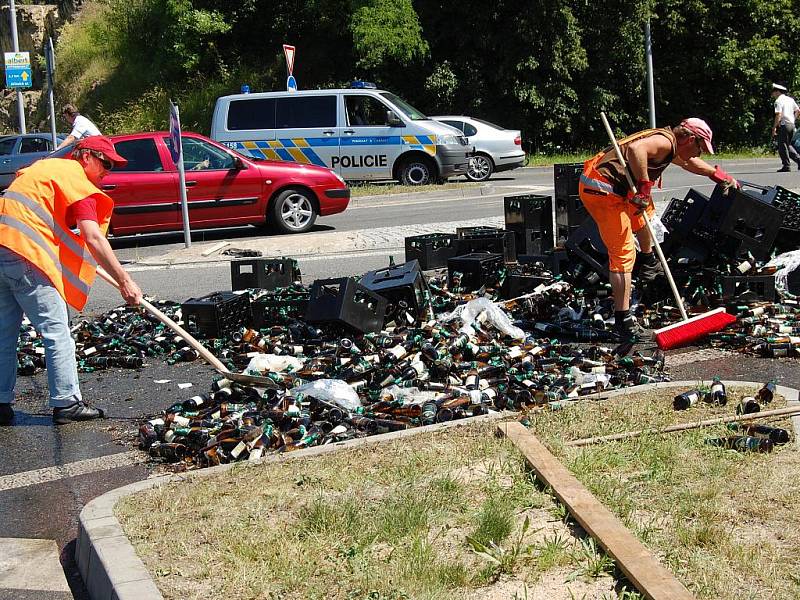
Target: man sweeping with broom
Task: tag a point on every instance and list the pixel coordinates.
(607, 196)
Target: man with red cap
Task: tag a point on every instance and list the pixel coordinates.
(605, 193)
(44, 266)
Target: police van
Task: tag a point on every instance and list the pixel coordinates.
(362, 133)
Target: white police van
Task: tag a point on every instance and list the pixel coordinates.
(362, 133)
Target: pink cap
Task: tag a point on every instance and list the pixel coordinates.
(701, 129)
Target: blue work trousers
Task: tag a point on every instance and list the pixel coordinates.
(26, 289)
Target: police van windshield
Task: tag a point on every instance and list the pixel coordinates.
(408, 110)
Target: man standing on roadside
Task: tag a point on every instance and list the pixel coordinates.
(44, 266)
(81, 126)
(786, 113)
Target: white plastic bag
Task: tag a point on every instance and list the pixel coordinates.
(484, 310)
(262, 364)
(786, 263)
(335, 391)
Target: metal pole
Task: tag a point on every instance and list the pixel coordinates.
(15, 42)
(648, 50)
(187, 234)
(51, 64)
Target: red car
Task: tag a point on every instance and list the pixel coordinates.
(223, 188)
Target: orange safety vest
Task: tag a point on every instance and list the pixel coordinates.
(33, 224)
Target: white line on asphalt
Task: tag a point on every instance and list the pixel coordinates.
(31, 564)
(73, 469)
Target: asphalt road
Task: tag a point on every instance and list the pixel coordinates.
(48, 509)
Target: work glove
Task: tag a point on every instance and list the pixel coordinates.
(724, 180)
(641, 199)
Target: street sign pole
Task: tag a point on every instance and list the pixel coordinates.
(177, 157)
(50, 60)
(651, 95)
(15, 42)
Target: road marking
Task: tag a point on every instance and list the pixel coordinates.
(29, 564)
(73, 469)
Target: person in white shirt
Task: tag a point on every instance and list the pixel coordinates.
(81, 126)
(786, 113)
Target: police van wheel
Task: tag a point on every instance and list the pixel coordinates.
(480, 168)
(293, 211)
(416, 171)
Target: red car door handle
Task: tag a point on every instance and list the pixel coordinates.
(190, 183)
(109, 187)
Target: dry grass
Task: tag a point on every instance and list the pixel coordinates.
(442, 515)
(388, 521)
(727, 524)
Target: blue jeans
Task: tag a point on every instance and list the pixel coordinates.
(25, 289)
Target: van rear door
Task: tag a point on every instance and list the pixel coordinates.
(306, 129)
(368, 146)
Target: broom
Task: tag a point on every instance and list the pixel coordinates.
(688, 330)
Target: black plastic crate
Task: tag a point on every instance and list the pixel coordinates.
(531, 241)
(263, 273)
(217, 314)
(682, 217)
(563, 233)
(749, 287)
(276, 309)
(344, 301)
(752, 223)
(789, 203)
(431, 250)
(529, 211)
(720, 204)
(566, 177)
(570, 211)
(476, 270)
(516, 284)
(554, 261)
(401, 282)
(587, 245)
(470, 240)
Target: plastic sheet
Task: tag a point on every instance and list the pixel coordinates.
(335, 391)
(272, 363)
(787, 263)
(484, 310)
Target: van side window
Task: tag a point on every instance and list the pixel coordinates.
(141, 155)
(365, 110)
(305, 111)
(252, 113)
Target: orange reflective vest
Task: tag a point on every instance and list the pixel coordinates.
(33, 224)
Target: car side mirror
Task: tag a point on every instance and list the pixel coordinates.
(238, 164)
(393, 120)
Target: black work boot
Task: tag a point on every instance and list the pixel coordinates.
(650, 268)
(80, 411)
(627, 327)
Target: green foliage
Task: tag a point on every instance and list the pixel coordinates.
(546, 67)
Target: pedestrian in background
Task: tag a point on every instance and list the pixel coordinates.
(44, 266)
(81, 126)
(786, 113)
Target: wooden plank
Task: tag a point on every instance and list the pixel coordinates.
(640, 566)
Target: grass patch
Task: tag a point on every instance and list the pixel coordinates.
(437, 516)
(722, 521)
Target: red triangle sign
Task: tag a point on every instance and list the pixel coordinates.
(289, 52)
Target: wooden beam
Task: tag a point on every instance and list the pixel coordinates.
(640, 566)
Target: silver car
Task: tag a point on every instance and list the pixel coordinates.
(21, 150)
(496, 149)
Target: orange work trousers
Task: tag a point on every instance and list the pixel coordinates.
(616, 218)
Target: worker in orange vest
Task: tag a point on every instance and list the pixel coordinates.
(604, 191)
(44, 266)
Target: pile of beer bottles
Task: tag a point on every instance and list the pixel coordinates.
(744, 437)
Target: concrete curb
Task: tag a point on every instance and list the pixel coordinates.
(112, 570)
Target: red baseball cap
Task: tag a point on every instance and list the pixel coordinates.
(700, 129)
(101, 143)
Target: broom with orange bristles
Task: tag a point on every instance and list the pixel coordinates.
(690, 329)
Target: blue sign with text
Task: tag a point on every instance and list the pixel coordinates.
(18, 69)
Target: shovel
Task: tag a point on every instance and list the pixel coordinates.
(253, 380)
